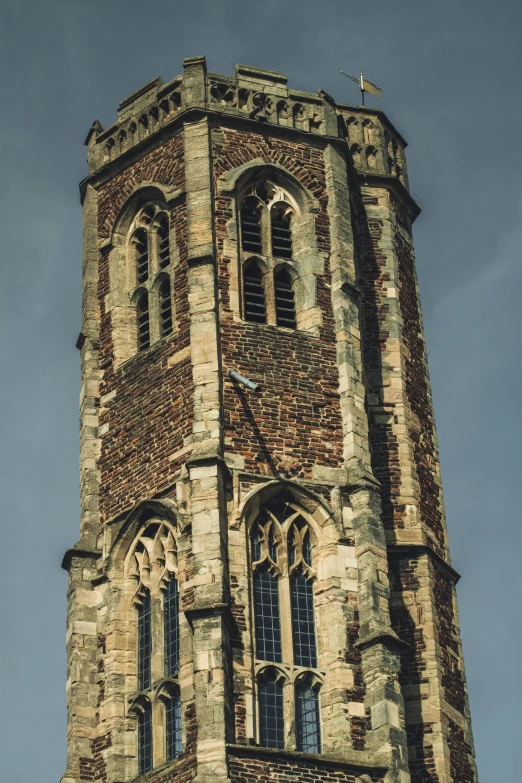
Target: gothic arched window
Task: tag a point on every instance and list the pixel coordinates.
(254, 298)
(145, 738)
(266, 221)
(150, 261)
(153, 563)
(282, 581)
(284, 299)
(165, 308)
(143, 321)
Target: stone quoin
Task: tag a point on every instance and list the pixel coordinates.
(262, 588)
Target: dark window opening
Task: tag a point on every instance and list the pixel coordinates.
(284, 296)
(307, 719)
(165, 309)
(303, 625)
(163, 242)
(281, 233)
(267, 618)
(255, 309)
(145, 739)
(143, 322)
(271, 718)
(142, 255)
(251, 225)
(173, 727)
(171, 628)
(144, 643)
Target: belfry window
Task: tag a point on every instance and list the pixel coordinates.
(283, 576)
(151, 274)
(165, 309)
(154, 566)
(254, 301)
(266, 215)
(143, 322)
(251, 225)
(142, 255)
(284, 297)
(281, 232)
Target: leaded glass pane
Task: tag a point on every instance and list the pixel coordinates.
(173, 727)
(145, 739)
(303, 625)
(307, 719)
(271, 719)
(171, 628)
(268, 623)
(144, 643)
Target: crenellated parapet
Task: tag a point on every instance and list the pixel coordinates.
(254, 95)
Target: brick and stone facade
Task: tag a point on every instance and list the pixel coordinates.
(341, 429)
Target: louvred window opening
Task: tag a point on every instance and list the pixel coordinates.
(143, 323)
(251, 226)
(255, 308)
(285, 304)
(165, 309)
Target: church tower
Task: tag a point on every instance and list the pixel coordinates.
(262, 588)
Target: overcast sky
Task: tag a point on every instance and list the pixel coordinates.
(450, 73)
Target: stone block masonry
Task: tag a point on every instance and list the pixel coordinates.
(262, 588)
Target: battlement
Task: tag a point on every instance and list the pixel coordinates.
(255, 95)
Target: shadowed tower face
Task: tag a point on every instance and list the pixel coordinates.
(262, 588)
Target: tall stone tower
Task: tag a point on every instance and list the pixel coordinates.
(262, 588)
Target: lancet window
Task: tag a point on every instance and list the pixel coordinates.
(288, 680)
(266, 214)
(149, 248)
(156, 703)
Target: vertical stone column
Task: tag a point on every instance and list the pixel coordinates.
(206, 469)
(378, 643)
(80, 562)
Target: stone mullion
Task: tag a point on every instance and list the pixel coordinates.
(285, 609)
(206, 471)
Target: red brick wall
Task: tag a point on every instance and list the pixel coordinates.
(152, 411)
(296, 421)
(276, 768)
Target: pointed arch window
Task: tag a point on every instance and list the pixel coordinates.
(153, 563)
(163, 241)
(285, 299)
(142, 255)
(145, 738)
(281, 216)
(143, 322)
(267, 214)
(173, 727)
(254, 300)
(271, 712)
(171, 627)
(165, 308)
(251, 225)
(283, 577)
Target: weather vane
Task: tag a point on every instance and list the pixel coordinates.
(364, 85)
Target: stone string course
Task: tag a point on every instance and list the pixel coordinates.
(343, 428)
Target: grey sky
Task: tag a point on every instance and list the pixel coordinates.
(450, 72)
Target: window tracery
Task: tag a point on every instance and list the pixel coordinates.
(285, 644)
(266, 215)
(157, 704)
(150, 255)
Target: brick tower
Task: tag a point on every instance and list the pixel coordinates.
(262, 587)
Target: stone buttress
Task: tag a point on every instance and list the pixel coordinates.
(232, 224)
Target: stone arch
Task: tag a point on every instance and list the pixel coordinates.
(165, 509)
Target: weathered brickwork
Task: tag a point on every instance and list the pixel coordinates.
(329, 469)
(274, 769)
(149, 418)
